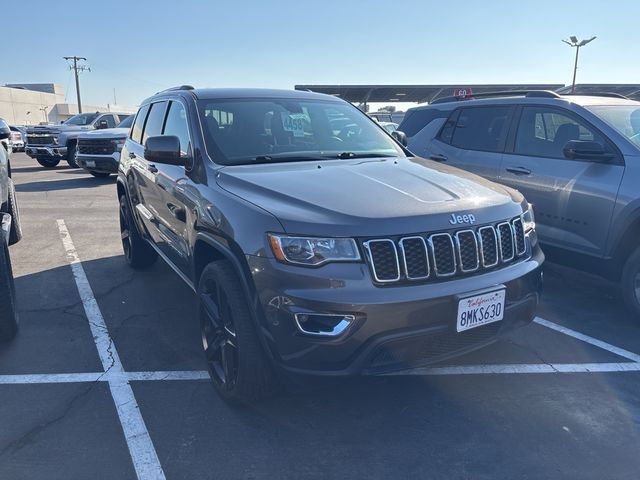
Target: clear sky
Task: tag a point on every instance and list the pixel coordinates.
(141, 46)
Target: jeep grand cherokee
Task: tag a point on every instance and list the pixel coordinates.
(315, 243)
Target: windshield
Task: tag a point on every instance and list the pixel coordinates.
(271, 130)
(82, 119)
(126, 123)
(624, 118)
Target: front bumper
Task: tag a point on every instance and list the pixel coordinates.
(46, 151)
(393, 327)
(99, 163)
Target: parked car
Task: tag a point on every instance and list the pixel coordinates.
(395, 117)
(17, 139)
(11, 233)
(49, 144)
(317, 252)
(98, 151)
(575, 158)
(389, 126)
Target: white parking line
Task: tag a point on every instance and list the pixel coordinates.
(143, 454)
(634, 357)
(103, 377)
(524, 368)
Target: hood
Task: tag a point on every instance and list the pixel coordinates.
(106, 133)
(369, 197)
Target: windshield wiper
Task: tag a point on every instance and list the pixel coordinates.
(286, 158)
(347, 155)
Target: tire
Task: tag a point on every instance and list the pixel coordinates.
(630, 283)
(15, 234)
(138, 253)
(48, 162)
(99, 174)
(8, 313)
(71, 155)
(237, 364)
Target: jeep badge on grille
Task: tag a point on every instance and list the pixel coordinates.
(466, 218)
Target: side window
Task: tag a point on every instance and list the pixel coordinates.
(481, 128)
(111, 122)
(418, 119)
(176, 124)
(138, 125)
(153, 126)
(543, 132)
(122, 118)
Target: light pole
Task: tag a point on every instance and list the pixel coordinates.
(43, 109)
(573, 42)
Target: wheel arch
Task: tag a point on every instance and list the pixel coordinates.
(626, 243)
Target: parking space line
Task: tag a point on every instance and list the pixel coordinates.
(143, 454)
(634, 357)
(524, 368)
(50, 378)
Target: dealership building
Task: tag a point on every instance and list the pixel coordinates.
(38, 103)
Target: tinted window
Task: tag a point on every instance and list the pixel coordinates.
(82, 119)
(126, 123)
(136, 132)
(481, 128)
(416, 120)
(176, 124)
(111, 122)
(543, 132)
(153, 126)
(122, 118)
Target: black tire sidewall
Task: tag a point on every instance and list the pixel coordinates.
(8, 313)
(48, 163)
(15, 234)
(141, 254)
(629, 272)
(71, 155)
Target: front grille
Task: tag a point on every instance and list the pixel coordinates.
(39, 139)
(95, 147)
(437, 255)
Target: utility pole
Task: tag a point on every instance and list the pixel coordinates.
(573, 42)
(77, 68)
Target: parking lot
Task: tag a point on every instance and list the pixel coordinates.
(106, 378)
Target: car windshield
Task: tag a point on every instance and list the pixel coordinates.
(272, 130)
(82, 119)
(624, 118)
(126, 123)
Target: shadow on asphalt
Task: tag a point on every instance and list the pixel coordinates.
(66, 184)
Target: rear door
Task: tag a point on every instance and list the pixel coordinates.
(473, 138)
(573, 199)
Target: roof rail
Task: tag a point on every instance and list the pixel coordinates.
(505, 93)
(599, 94)
(179, 87)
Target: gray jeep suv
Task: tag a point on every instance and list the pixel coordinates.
(314, 242)
(575, 158)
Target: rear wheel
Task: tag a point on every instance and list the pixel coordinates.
(137, 251)
(99, 174)
(630, 283)
(11, 207)
(237, 364)
(71, 155)
(8, 314)
(48, 162)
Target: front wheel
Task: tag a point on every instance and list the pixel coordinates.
(137, 251)
(71, 155)
(8, 313)
(630, 283)
(15, 234)
(48, 162)
(237, 364)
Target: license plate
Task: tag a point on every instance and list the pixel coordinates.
(480, 309)
(90, 163)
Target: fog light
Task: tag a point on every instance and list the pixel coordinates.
(323, 324)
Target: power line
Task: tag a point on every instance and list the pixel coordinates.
(78, 68)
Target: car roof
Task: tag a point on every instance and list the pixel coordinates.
(583, 100)
(239, 93)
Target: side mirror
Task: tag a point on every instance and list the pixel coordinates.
(102, 124)
(5, 133)
(400, 137)
(164, 149)
(586, 150)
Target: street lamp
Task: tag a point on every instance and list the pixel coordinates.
(43, 109)
(573, 42)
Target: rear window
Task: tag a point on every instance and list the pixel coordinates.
(136, 132)
(153, 127)
(479, 128)
(416, 120)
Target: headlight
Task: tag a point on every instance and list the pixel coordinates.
(313, 251)
(528, 220)
(119, 143)
(55, 139)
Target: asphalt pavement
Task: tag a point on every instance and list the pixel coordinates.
(105, 379)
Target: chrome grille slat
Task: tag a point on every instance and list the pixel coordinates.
(518, 236)
(468, 257)
(387, 270)
(505, 240)
(488, 240)
(415, 261)
(444, 256)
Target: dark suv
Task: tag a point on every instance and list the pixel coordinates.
(575, 158)
(315, 243)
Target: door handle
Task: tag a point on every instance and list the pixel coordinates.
(438, 158)
(519, 170)
(132, 155)
(152, 168)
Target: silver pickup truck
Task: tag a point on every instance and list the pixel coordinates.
(49, 144)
